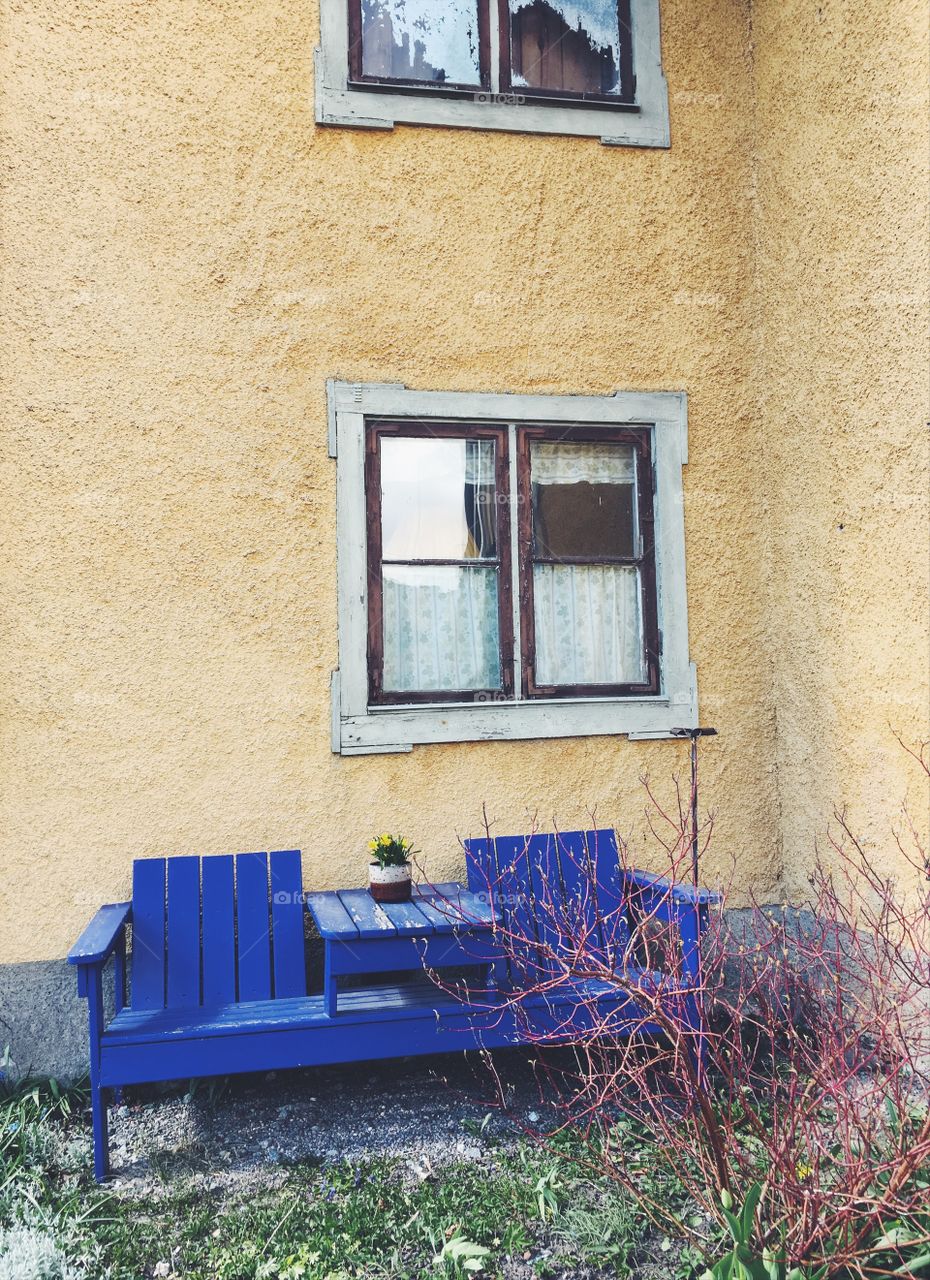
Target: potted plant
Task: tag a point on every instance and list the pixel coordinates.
(389, 869)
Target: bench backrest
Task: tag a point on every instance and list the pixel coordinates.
(209, 931)
(554, 890)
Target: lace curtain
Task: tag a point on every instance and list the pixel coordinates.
(440, 628)
(588, 622)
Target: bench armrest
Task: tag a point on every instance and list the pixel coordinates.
(676, 891)
(101, 936)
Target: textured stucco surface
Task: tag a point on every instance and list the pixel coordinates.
(841, 379)
(187, 258)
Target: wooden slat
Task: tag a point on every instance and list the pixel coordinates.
(219, 930)
(101, 935)
(450, 906)
(548, 901)
(254, 959)
(513, 894)
(480, 865)
(367, 916)
(331, 917)
(148, 933)
(440, 909)
(407, 918)
(287, 919)
(579, 882)
(612, 893)
(368, 1004)
(183, 958)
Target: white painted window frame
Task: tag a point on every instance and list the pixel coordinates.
(358, 728)
(645, 125)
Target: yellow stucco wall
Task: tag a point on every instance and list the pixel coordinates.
(187, 258)
(841, 377)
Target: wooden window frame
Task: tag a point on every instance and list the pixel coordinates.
(342, 101)
(376, 431)
(360, 727)
(645, 562)
(623, 101)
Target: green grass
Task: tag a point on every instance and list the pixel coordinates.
(321, 1223)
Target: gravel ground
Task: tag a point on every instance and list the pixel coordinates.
(237, 1135)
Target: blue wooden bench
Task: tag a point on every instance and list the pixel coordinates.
(218, 977)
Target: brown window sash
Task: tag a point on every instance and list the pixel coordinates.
(624, 100)
(444, 88)
(640, 438)
(375, 432)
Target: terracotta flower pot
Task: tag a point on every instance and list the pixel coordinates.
(389, 884)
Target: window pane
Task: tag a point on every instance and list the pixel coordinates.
(589, 626)
(435, 41)
(568, 45)
(584, 499)
(438, 499)
(440, 628)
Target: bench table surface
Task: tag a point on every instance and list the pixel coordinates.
(442, 924)
(347, 915)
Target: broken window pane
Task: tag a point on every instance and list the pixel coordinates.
(569, 46)
(432, 41)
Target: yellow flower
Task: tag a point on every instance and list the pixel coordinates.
(385, 839)
(372, 844)
(803, 1172)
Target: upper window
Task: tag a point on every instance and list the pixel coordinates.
(546, 49)
(551, 66)
(509, 566)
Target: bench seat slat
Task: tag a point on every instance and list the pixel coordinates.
(377, 1003)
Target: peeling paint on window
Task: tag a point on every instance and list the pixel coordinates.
(568, 46)
(421, 40)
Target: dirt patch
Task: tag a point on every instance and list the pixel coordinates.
(244, 1132)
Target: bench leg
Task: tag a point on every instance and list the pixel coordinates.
(97, 1092)
(101, 1144)
(329, 983)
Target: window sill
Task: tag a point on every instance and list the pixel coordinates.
(399, 728)
(371, 109)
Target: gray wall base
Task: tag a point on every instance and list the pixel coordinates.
(42, 1021)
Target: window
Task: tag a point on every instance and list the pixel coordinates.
(547, 66)
(439, 590)
(569, 52)
(509, 566)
